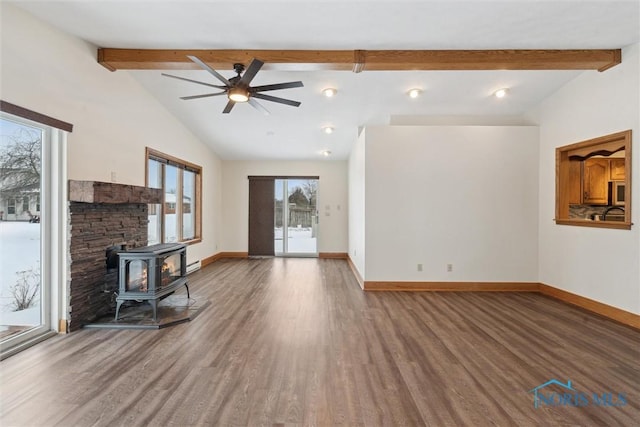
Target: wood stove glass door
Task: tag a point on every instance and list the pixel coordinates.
(137, 277)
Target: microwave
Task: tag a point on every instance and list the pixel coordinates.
(616, 193)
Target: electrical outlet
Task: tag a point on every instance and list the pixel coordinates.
(419, 267)
(113, 177)
(449, 268)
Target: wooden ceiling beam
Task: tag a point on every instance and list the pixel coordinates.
(364, 60)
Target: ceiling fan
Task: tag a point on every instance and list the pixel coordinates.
(238, 88)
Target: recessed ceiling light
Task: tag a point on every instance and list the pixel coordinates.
(501, 93)
(328, 129)
(326, 153)
(329, 92)
(414, 93)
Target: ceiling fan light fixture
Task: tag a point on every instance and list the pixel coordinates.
(326, 153)
(328, 129)
(329, 92)
(501, 93)
(237, 94)
(414, 93)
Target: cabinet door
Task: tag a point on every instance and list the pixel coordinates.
(617, 169)
(574, 189)
(596, 177)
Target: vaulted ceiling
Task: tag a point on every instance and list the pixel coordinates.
(364, 98)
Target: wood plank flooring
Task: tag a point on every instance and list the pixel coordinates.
(296, 342)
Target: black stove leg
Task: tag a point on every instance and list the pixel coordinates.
(118, 309)
(154, 304)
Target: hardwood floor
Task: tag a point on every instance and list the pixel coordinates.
(297, 342)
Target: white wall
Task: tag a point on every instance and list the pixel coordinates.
(114, 118)
(601, 264)
(332, 192)
(357, 204)
(451, 194)
(405, 120)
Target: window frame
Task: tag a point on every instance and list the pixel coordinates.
(166, 159)
(584, 150)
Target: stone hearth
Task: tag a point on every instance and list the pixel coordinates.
(102, 214)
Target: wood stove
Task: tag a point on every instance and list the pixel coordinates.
(151, 273)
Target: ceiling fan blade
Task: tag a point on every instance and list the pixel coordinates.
(229, 106)
(202, 96)
(276, 99)
(255, 104)
(209, 69)
(194, 81)
(276, 86)
(251, 72)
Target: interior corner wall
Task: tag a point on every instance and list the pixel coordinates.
(332, 200)
(460, 195)
(600, 264)
(51, 72)
(357, 219)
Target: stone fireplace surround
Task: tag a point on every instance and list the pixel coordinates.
(101, 214)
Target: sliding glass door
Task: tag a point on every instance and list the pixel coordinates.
(296, 217)
(24, 296)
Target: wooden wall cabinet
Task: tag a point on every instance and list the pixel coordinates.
(616, 169)
(595, 180)
(574, 189)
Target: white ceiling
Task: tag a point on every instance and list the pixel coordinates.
(367, 98)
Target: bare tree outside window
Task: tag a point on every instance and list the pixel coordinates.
(26, 292)
(310, 189)
(20, 163)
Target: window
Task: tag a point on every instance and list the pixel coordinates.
(178, 217)
(593, 182)
(11, 207)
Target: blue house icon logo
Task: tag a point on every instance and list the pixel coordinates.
(561, 394)
(538, 395)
